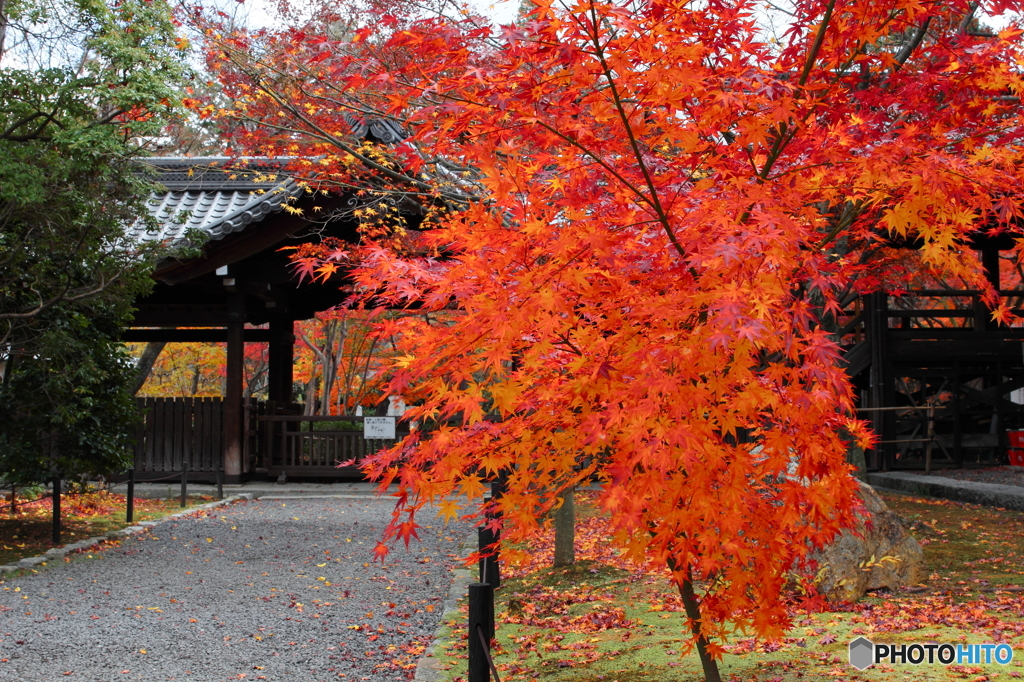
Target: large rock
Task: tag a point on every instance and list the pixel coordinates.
(885, 554)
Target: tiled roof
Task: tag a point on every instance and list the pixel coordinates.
(375, 129)
(201, 193)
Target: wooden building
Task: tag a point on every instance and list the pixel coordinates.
(241, 280)
(939, 380)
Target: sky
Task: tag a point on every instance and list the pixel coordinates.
(261, 16)
(504, 12)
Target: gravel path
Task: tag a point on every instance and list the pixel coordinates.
(1001, 475)
(270, 589)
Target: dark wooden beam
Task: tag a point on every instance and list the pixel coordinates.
(881, 381)
(218, 335)
(966, 334)
(951, 350)
(180, 316)
(994, 401)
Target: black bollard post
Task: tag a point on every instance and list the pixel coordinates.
(497, 492)
(184, 483)
(129, 511)
(481, 620)
(490, 572)
(220, 483)
(14, 499)
(56, 510)
(498, 486)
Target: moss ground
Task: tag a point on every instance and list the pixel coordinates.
(599, 622)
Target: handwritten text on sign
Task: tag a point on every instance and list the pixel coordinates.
(379, 427)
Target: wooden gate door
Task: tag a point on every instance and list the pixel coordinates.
(176, 430)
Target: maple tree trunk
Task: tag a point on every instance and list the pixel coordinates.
(690, 603)
(565, 530)
(310, 397)
(145, 365)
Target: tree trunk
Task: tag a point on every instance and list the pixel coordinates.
(145, 364)
(8, 367)
(692, 607)
(565, 530)
(328, 364)
(310, 407)
(3, 27)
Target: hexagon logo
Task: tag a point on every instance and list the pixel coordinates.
(862, 653)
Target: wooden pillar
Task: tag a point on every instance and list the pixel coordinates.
(281, 350)
(958, 451)
(877, 323)
(233, 389)
(990, 265)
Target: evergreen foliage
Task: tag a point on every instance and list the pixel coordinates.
(86, 86)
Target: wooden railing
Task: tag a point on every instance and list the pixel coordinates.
(301, 445)
(937, 310)
(941, 374)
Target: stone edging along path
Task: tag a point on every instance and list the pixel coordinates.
(988, 494)
(429, 668)
(61, 552)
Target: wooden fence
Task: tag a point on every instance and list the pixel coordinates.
(191, 429)
(299, 445)
(175, 430)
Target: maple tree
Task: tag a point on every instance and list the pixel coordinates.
(339, 360)
(184, 370)
(643, 211)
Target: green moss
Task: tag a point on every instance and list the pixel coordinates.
(961, 546)
(965, 545)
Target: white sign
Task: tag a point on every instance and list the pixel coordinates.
(379, 428)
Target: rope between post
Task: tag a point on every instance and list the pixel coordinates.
(157, 480)
(487, 652)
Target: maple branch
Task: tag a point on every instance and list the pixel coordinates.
(568, 261)
(812, 54)
(912, 44)
(317, 132)
(654, 201)
(564, 340)
(778, 8)
(786, 133)
(845, 220)
(313, 77)
(784, 136)
(425, 189)
(968, 17)
(601, 162)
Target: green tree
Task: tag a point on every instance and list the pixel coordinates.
(86, 86)
(65, 408)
